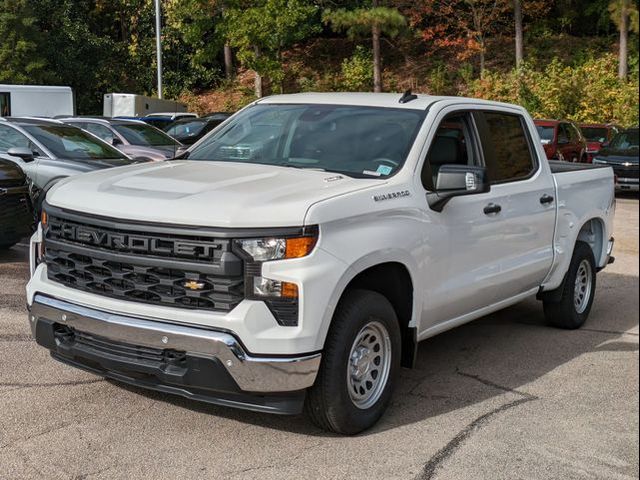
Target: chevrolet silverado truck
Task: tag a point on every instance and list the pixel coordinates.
(294, 257)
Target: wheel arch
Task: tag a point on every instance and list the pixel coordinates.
(593, 233)
(393, 279)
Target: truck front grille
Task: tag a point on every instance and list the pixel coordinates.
(15, 216)
(184, 271)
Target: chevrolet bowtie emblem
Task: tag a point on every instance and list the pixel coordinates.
(193, 285)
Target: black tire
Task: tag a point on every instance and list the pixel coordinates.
(564, 313)
(329, 403)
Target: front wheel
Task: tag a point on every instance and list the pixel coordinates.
(572, 308)
(360, 365)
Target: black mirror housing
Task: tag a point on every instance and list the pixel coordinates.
(26, 154)
(456, 181)
(116, 141)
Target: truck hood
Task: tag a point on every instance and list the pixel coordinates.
(202, 193)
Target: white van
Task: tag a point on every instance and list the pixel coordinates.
(35, 101)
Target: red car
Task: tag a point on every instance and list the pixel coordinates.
(597, 134)
(562, 140)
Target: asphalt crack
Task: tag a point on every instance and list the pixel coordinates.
(45, 385)
(434, 464)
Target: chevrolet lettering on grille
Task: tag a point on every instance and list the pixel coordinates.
(132, 243)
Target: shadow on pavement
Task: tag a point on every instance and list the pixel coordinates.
(499, 353)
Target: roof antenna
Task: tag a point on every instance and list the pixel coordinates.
(407, 97)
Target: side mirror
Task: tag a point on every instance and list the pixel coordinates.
(457, 181)
(115, 141)
(26, 154)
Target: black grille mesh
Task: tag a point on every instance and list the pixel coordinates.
(166, 281)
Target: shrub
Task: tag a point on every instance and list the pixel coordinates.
(357, 70)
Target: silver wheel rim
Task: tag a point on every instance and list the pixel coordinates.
(582, 288)
(369, 365)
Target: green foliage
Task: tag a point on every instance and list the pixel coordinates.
(615, 10)
(20, 59)
(358, 22)
(587, 92)
(262, 31)
(357, 71)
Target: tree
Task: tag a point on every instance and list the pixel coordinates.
(376, 21)
(20, 58)
(517, 18)
(262, 30)
(625, 16)
(460, 24)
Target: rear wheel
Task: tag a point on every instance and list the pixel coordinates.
(360, 365)
(571, 308)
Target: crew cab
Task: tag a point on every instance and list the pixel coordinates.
(296, 255)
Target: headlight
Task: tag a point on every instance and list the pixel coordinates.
(267, 249)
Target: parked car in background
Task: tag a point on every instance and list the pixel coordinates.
(133, 137)
(596, 135)
(562, 140)
(163, 120)
(189, 130)
(16, 218)
(622, 155)
(49, 150)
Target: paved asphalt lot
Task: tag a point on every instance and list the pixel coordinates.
(504, 397)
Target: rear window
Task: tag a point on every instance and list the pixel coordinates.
(143, 135)
(595, 134)
(506, 147)
(546, 133)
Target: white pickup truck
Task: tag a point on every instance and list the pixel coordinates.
(296, 255)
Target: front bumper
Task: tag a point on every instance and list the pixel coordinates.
(203, 364)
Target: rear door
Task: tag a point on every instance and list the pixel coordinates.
(525, 191)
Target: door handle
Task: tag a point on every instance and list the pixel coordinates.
(492, 208)
(546, 199)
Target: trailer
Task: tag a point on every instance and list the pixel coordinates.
(132, 105)
(36, 101)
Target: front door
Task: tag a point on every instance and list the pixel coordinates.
(465, 240)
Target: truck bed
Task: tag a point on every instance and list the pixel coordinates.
(563, 167)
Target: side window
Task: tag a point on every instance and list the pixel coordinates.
(506, 147)
(451, 145)
(5, 104)
(12, 138)
(99, 131)
(563, 133)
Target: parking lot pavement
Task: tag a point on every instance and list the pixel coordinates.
(504, 397)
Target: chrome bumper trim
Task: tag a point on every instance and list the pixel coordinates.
(251, 373)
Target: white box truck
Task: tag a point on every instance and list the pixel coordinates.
(36, 101)
(132, 105)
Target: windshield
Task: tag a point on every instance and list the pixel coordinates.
(546, 133)
(595, 134)
(68, 142)
(143, 135)
(625, 140)
(186, 129)
(356, 141)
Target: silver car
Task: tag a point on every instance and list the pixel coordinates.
(48, 151)
(133, 137)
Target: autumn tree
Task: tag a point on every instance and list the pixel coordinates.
(375, 21)
(463, 25)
